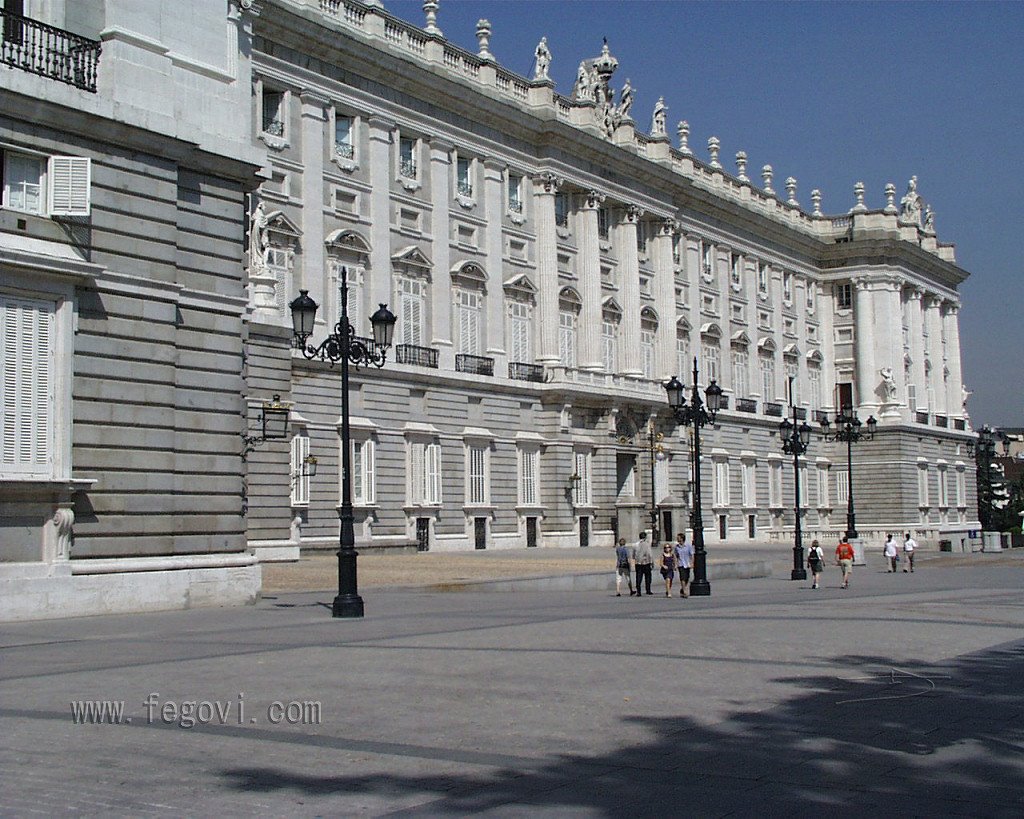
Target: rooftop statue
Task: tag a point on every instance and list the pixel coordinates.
(910, 204)
(658, 120)
(542, 60)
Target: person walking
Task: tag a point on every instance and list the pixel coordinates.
(622, 569)
(815, 562)
(908, 550)
(643, 562)
(684, 561)
(844, 558)
(668, 567)
(892, 554)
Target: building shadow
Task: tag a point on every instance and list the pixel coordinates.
(920, 739)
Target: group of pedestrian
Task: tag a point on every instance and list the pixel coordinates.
(892, 553)
(638, 560)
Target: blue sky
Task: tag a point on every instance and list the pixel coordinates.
(832, 94)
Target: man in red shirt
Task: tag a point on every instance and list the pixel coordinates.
(844, 557)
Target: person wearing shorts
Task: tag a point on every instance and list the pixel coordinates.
(622, 568)
(844, 557)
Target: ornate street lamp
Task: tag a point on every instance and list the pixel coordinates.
(694, 414)
(990, 487)
(343, 345)
(795, 440)
(849, 429)
(273, 423)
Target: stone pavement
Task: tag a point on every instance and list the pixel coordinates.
(901, 695)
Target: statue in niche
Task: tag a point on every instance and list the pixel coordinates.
(929, 219)
(888, 383)
(542, 60)
(659, 119)
(258, 243)
(910, 204)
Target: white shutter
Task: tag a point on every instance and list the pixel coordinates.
(567, 339)
(433, 473)
(358, 472)
(412, 315)
(26, 389)
(70, 180)
(355, 298)
(300, 482)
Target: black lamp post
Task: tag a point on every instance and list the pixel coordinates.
(990, 486)
(795, 440)
(343, 345)
(849, 429)
(696, 415)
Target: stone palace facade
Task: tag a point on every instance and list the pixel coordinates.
(551, 262)
(174, 174)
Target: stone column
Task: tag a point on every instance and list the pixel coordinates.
(915, 325)
(494, 176)
(933, 324)
(955, 394)
(827, 311)
(629, 283)
(665, 299)
(312, 146)
(888, 346)
(693, 274)
(590, 284)
(544, 188)
(866, 372)
(379, 285)
(441, 282)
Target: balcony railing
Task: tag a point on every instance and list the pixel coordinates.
(518, 371)
(476, 364)
(772, 408)
(47, 51)
(746, 405)
(417, 356)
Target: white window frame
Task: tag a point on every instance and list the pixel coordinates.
(477, 471)
(740, 370)
(411, 298)
(467, 315)
(720, 489)
(943, 487)
(805, 494)
(408, 168)
(683, 359)
(711, 354)
(279, 263)
(610, 344)
(823, 487)
(424, 472)
(364, 471)
(581, 495)
(775, 484)
(520, 331)
(567, 338)
(787, 288)
(514, 194)
(62, 186)
(277, 141)
(749, 470)
(300, 482)
(923, 488)
(356, 282)
(842, 487)
(767, 367)
(647, 338)
(529, 475)
(961, 487)
(464, 169)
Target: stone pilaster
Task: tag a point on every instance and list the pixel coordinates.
(933, 324)
(544, 188)
(312, 145)
(866, 372)
(888, 344)
(955, 393)
(827, 311)
(590, 283)
(665, 299)
(441, 286)
(629, 282)
(380, 170)
(494, 176)
(915, 325)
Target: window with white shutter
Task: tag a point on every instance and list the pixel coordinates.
(476, 458)
(300, 482)
(740, 363)
(805, 498)
(581, 489)
(922, 486)
(69, 180)
(27, 399)
(775, 484)
(529, 460)
(278, 264)
(768, 377)
(710, 363)
(823, 486)
(424, 473)
(721, 488)
(567, 338)
(749, 484)
(683, 362)
(411, 301)
(609, 345)
(364, 491)
(842, 487)
(943, 488)
(520, 320)
(467, 317)
(355, 296)
(433, 458)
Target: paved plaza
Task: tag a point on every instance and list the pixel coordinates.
(898, 697)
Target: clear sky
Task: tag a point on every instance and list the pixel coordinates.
(832, 94)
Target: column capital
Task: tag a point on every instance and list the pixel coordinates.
(592, 200)
(633, 214)
(667, 226)
(547, 182)
(952, 307)
(915, 293)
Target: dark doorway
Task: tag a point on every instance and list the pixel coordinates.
(666, 524)
(584, 532)
(422, 534)
(480, 533)
(531, 533)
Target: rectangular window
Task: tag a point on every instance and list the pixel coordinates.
(278, 264)
(354, 302)
(467, 317)
(711, 355)
(411, 301)
(561, 210)
(775, 484)
(842, 488)
(407, 158)
(581, 486)
(822, 487)
(768, 377)
(844, 296)
(721, 487)
(463, 176)
(344, 144)
(961, 488)
(425, 473)
(749, 484)
(762, 279)
(609, 345)
(300, 482)
(273, 112)
(364, 484)
(943, 489)
(844, 394)
(736, 270)
(529, 467)
(647, 352)
(476, 474)
(520, 323)
(793, 381)
(814, 386)
(787, 288)
(602, 223)
(23, 182)
(922, 486)
(707, 267)
(27, 397)
(567, 338)
(812, 294)
(805, 497)
(740, 386)
(683, 362)
(515, 193)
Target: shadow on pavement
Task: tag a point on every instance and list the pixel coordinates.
(942, 739)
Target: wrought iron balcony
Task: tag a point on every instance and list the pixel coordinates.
(407, 168)
(746, 405)
(344, 149)
(417, 356)
(773, 408)
(476, 364)
(519, 371)
(49, 52)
